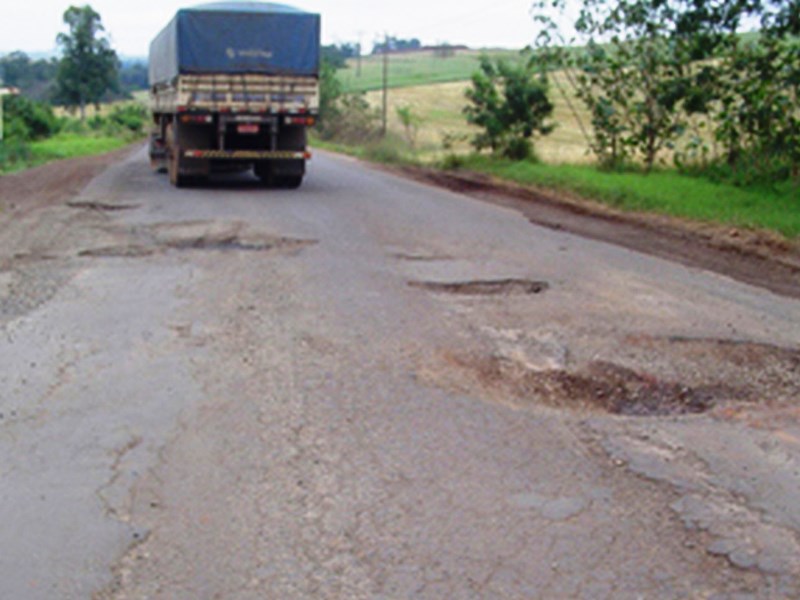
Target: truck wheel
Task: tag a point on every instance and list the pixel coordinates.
(174, 169)
(291, 182)
(158, 165)
(264, 172)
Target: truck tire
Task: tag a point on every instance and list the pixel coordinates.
(174, 159)
(264, 171)
(290, 182)
(174, 169)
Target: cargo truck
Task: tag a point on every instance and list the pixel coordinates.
(234, 86)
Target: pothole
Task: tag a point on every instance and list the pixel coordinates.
(499, 287)
(101, 206)
(642, 376)
(196, 236)
(124, 251)
(234, 243)
(410, 257)
(600, 385)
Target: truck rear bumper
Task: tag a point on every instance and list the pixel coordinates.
(244, 155)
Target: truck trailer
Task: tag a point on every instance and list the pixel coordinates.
(234, 86)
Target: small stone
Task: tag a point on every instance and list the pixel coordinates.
(722, 547)
(743, 559)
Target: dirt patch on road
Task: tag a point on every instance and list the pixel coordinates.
(759, 258)
(604, 386)
(218, 236)
(52, 183)
(500, 287)
(101, 206)
(725, 373)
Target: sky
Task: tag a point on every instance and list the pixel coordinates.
(32, 25)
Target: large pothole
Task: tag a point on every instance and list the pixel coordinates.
(101, 206)
(654, 378)
(196, 236)
(498, 287)
(600, 385)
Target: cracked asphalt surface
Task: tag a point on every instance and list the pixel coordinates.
(372, 388)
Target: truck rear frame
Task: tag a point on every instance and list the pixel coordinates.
(210, 122)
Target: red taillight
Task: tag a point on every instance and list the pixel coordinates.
(197, 119)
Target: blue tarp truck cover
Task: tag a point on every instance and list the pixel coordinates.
(234, 38)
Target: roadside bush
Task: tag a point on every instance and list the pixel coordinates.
(25, 119)
(97, 123)
(388, 149)
(330, 91)
(12, 152)
(356, 123)
(510, 104)
(131, 117)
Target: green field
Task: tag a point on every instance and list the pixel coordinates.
(63, 145)
(663, 192)
(414, 69)
(439, 108)
(74, 145)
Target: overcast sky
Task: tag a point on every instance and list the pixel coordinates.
(32, 25)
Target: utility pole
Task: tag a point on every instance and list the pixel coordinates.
(385, 83)
(358, 57)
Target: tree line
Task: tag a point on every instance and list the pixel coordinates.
(682, 77)
(88, 71)
(660, 80)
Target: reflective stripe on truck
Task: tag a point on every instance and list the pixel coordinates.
(248, 154)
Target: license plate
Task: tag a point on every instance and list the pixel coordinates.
(247, 128)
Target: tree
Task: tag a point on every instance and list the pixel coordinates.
(394, 44)
(337, 54)
(510, 104)
(649, 69)
(410, 122)
(330, 91)
(89, 66)
(34, 78)
(25, 119)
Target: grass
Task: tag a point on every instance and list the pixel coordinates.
(103, 110)
(439, 106)
(64, 145)
(71, 145)
(414, 69)
(663, 192)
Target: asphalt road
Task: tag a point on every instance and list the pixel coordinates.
(372, 388)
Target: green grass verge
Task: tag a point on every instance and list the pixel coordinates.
(74, 145)
(663, 192)
(61, 146)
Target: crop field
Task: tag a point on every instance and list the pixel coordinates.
(414, 69)
(138, 97)
(439, 108)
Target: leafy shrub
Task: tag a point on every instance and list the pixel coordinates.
(131, 117)
(25, 119)
(356, 123)
(12, 152)
(510, 105)
(389, 149)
